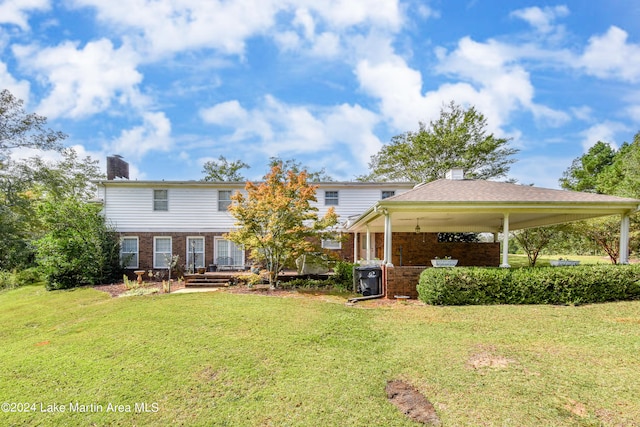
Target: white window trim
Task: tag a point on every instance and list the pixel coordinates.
(387, 191)
(137, 251)
(154, 200)
(204, 250)
(220, 200)
(335, 201)
(331, 244)
(217, 239)
(155, 239)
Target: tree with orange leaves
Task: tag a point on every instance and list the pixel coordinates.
(276, 220)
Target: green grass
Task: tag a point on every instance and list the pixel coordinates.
(521, 260)
(230, 359)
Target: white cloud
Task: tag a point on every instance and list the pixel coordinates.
(281, 128)
(304, 19)
(84, 81)
(327, 45)
(153, 135)
(19, 89)
(169, 26)
(288, 40)
(353, 126)
(584, 112)
(542, 19)
(16, 12)
(611, 56)
(487, 76)
(349, 13)
(427, 12)
(605, 132)
(549, 116)
(228, 113)
(164, 27)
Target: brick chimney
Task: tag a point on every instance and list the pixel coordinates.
(117, 167)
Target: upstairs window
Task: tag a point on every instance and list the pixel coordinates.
(160, 200)
(331, 198)
(224, 199)
(388, 193)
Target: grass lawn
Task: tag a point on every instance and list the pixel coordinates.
(520, 260)
(232, 359)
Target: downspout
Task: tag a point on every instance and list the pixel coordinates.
(354, 300)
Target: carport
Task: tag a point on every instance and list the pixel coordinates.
(456, 204)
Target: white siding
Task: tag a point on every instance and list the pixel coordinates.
(190, 209)
(129, 206)
(352, 201)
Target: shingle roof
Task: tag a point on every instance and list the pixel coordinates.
(446, 190)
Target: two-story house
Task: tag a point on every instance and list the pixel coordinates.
(156, 219)
(400, 224)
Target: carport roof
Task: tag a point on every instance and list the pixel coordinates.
(448, 205)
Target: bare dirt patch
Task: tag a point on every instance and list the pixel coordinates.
(576, 408)
(487, 357)
(411, 402)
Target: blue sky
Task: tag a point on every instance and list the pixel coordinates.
(170, 84)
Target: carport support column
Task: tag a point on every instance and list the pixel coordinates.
(368, 257)
(387, 239)
(624, 239)
(505, 242)
(355, 247)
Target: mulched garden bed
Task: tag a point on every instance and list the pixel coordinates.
(117, 289)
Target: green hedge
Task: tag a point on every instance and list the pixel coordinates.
(540, 285)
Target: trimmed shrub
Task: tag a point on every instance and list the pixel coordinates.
(542, 285)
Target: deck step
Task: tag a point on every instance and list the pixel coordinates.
(208, 280)
(205, 285)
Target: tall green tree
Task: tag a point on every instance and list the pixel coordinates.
(622, 178)
(223, 170)
(24, 183)
(277, 221)
(19, 129)
(605, 170)
(78, 247)
(457, 139)
(586, 171)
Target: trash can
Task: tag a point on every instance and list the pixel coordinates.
(369, 280)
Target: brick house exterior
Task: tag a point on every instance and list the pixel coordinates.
(396, 224)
